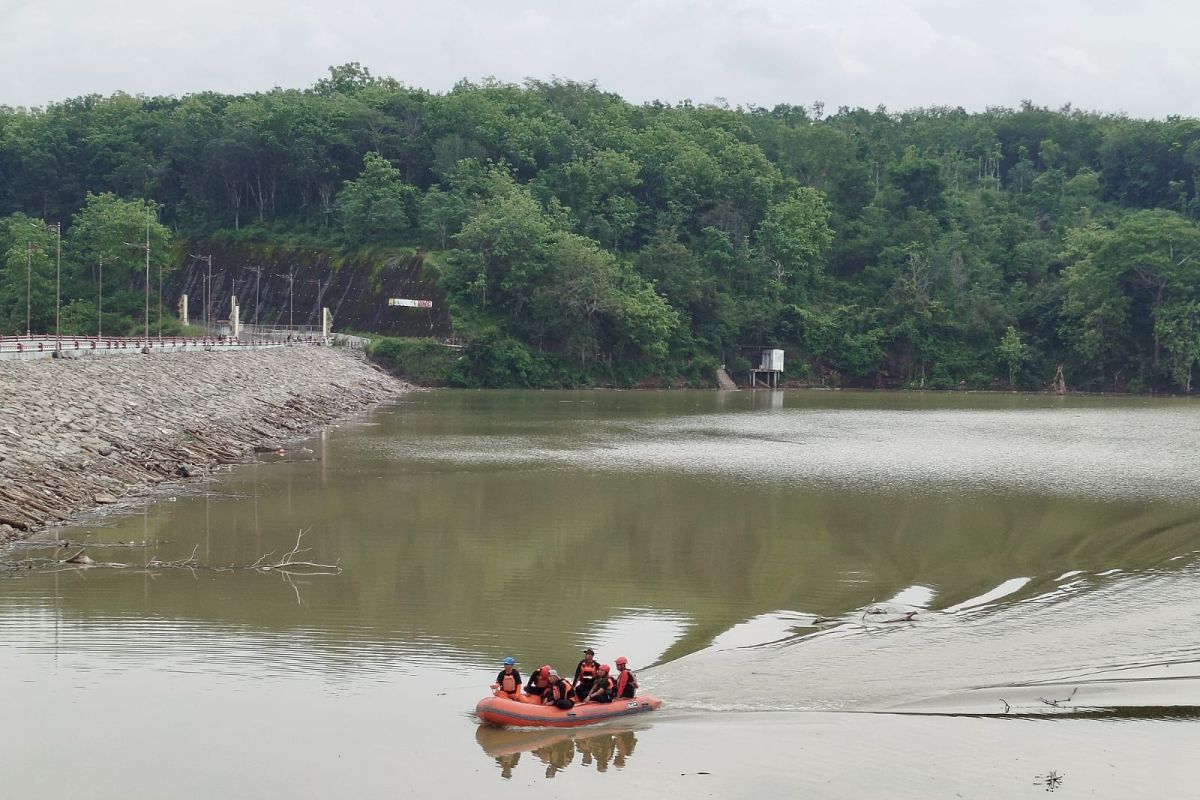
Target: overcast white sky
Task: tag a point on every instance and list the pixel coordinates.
(1137, 56)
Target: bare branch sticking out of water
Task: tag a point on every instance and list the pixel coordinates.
(1059, 703)
(1051, 780)
(185, 563)
(1007, 707)
(289, 564)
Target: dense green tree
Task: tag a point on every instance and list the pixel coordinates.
(581, 238)
(1013, 353)
(27, 281)
(107, 242)
(1119, 285)
(378, 205)
(794, 237)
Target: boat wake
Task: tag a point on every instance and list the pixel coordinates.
(1071, 646)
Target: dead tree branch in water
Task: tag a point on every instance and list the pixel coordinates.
(1051, 780)
(184, 563)
(1055, 703)
(289, 564)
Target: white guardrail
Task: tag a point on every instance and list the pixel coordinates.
(22, 347)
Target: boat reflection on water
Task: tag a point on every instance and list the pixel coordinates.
(556, 749)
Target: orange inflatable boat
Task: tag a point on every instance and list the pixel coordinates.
(515, 714)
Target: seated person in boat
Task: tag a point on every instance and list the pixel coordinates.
(558, 694)
(585, 673)
(627, 684)
(603, 688)
(539, 682)
(508, 681)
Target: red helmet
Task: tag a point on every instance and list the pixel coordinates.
(622, 660)
(604, 668)
(546, 671)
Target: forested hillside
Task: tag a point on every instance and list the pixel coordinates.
(582, 239)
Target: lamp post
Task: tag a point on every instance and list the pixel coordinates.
(57, 228)
(257, 279)
(58, 286)
(160, 301)
(320, 295)
(28, 283)
(207, 284)
(208, 297)
(146, 292)
(147, 335)
(100, 302)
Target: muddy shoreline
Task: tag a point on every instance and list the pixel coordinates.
(79, 435)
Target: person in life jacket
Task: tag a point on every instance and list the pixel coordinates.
(539, 682)
(508, 681)
(585, 673)
(627, 684)
(558, 694)
(603, 688)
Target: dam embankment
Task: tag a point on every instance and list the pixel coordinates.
(78, 434)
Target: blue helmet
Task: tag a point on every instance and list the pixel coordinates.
(509, 661)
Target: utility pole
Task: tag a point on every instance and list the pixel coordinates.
(257, 279)
(28, 282)
(160, 300)
(207, 284)
(208, 297)
(100, 302)
(58, 287)
(291, 281)
(320, 294)
(147, 337)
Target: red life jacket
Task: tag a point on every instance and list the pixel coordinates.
(626, 681)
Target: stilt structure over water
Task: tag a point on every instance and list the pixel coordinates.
(766, 366)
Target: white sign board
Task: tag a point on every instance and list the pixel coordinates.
(400, 301)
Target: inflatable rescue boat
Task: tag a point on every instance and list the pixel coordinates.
(515, 714)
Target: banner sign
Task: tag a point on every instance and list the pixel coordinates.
(400, 301)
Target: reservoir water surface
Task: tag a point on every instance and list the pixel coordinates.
(839, 594)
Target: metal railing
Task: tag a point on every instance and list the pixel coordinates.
(48, 344)
(282, 331)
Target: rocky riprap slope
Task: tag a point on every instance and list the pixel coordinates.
(76, 434)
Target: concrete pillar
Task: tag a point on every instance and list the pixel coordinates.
(326, 324)
(183, 309)
(235, 317)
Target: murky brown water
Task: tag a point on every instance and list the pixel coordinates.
(1047, 546)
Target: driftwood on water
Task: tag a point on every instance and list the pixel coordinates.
(289, 564)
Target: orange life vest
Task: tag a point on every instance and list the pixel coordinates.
(626, 684)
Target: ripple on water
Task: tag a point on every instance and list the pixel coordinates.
(1119, 647)
(1100, 453)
